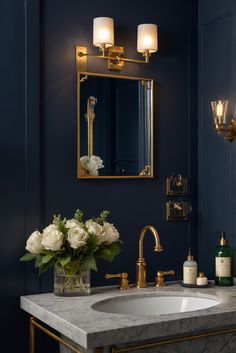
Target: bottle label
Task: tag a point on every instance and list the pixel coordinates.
(190, 275)
(223, 266)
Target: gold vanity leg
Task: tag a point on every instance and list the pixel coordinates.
(34, 324)
(31, 336)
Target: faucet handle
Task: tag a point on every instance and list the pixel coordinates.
(160, 277)
(124, 281)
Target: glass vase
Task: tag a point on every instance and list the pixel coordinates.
(71, 284)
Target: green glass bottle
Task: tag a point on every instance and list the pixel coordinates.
(223, 263)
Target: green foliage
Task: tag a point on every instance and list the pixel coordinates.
(109, 252)
(38, 261)
(45, 267)
(28, 257)
(102, 217)
(46, 258)
(79, 215)
(64, 260)
(60, 223)
(90, 262)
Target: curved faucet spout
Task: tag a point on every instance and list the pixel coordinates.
(154, 232)
(141, 264)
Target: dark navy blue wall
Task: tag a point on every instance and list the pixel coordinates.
(217, 163)
(133, 203)
(38, 139)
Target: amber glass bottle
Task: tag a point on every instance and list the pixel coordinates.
(223, 263)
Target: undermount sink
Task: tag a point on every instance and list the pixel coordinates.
(154, 305)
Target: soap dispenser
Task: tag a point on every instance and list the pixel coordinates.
(190, 269)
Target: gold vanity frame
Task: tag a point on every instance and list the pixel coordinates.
(82, 76)
(35, 324)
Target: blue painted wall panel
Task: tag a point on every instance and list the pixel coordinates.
(216, 156)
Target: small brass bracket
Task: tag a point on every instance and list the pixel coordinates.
(177, 211)
(117, 63)
(81, 61)
(176, 185)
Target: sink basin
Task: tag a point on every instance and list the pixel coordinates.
(154, 305)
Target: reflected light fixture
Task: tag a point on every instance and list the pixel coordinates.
(219, 111)
(103, 38)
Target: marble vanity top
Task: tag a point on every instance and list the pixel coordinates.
(75, 318)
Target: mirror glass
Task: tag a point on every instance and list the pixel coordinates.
(115, 126)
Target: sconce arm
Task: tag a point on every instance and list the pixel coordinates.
(117, 58)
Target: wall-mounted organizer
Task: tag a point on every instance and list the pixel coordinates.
(176, 185)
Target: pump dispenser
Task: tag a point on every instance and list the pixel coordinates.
(190, 269)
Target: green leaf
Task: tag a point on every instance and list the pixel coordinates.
(90, 262)
(28, 257)
(102, 217)
(45, 267)
(79, 215)
(47, 258)
(64, 260)
(38, 261)
(60, 223)
(115, 248)
(105, 254)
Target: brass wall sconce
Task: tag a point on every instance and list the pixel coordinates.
(219, 110)
(103, 38)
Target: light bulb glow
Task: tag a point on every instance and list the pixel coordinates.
(147, 42)
(219, 109)
(103, 35)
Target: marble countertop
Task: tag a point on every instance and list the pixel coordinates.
(75, 318)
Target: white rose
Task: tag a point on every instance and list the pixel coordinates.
(92, 167)
(110, 234)
(84, 160)
(52, 240)
(77, 237)
(94, 227)
(34, 243)
(70, 223)
(98, 161)
(49, 228)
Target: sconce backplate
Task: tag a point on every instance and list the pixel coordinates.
(176, 186)
(176, 211)
(116, 53)
(81, 61)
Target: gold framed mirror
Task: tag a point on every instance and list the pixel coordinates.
(115, 126)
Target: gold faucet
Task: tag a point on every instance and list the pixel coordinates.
(141, 264)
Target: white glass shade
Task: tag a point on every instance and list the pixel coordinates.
(147, 38)
(219, 110)
(103, 32)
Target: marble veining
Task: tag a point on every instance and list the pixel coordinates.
(75, 318)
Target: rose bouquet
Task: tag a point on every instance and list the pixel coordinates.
(72, 247)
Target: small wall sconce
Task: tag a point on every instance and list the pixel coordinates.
(103, 38)
(219, 110)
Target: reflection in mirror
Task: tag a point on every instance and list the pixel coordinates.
(115, 123)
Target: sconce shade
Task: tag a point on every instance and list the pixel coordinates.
(103, 32)
(147, 38)
(219, 110)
